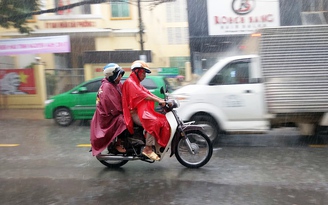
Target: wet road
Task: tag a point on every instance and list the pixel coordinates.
(46, 164)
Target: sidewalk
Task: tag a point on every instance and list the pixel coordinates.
(29, 114)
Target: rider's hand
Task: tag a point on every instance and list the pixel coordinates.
(161, 103)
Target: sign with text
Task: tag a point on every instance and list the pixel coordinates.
(70, 24)
(17, 81)
(228, 17)
(49, 44)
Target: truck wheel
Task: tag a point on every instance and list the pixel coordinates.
(211, 126)
(320, 135)
(63, 117)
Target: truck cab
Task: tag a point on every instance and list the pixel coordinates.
(282, 81)
(228, 97)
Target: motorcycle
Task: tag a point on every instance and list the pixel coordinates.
(188, 142)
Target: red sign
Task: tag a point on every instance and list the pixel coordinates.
(17, 81)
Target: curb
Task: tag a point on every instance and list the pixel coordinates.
(29, 114)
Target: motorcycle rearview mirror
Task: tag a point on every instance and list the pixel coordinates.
(82, 89)
(162, 90)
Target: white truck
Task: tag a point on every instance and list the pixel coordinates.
(283, 83)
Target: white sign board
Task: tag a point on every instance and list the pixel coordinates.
(228, 17)
(48, 44)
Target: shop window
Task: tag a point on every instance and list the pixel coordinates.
(178, 62)
(120, 9)
(314, 12)
(61, 60)
(176, 11)
(177, 35)
(313, 5)
(313, 18)
(78, 10)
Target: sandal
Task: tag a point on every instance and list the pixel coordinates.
(120, 148)
(152, 156)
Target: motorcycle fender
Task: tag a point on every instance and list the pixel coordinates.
(193, 127)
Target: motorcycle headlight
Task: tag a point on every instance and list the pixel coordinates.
(173, 103)
(176, 103)
(181, 97)
(47, 102)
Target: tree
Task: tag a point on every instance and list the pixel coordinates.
(17, 8)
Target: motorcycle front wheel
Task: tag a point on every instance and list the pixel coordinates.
(201, 153)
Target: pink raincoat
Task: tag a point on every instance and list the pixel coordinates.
(133, 98)
(107, 122)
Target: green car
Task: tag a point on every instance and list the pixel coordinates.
(79, 103)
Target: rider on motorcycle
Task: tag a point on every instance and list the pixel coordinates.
(138, 107)
(107, 123)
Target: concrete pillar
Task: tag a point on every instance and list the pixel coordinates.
(88, 72)
(188, 72)
(40, 84)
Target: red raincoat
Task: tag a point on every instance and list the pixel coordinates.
(107, 122)
(133, 98)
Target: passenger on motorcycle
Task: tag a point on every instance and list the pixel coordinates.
(107, 123)
(138, 107)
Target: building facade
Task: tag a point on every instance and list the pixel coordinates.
(114, 31)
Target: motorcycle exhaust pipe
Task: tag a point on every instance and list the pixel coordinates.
(112, 157)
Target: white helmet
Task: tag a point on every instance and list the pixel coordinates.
(112, 71)
(140, 64)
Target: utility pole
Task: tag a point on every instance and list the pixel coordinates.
(140, 28)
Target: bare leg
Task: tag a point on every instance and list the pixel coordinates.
(150, 140)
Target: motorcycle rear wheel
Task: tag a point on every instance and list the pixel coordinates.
(202, 146)
(113, 163)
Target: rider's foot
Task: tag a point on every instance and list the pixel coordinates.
(148, 152)
(120, 148)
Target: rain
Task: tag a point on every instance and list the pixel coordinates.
(246, 90)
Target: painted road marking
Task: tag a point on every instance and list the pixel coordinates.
(9, 145)
(83, 145)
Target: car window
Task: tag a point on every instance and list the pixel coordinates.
(233, 73)
(93, 86)
(149, 84)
